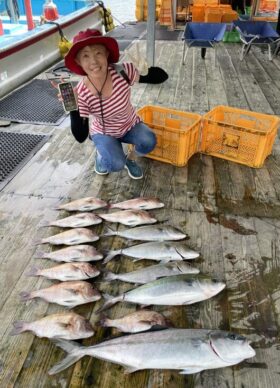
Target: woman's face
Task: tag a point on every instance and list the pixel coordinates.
(93, 60)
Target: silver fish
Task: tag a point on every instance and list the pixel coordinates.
(148, 233)
(129, 217)
(65, 325)
(169, 291)
(162, 251)
(140, 320)
(187, 350)
(77, 221)
(83, 205)
(141, 203)
(153, 272)
(66, 272)
(72, 253)
(71, 237)
(68, 294)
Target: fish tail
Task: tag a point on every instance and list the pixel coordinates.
(110, 301)
(108, 276)
(39, 242)
(24, 295)
(108, 232)
(40, 254)
(111, 255)
(34, 271)
(19, 327)
(75, 352)
(103, 320)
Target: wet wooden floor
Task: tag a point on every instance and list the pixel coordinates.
(230, 212)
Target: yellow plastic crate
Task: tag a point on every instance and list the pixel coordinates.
(238, 135)
(177, 133)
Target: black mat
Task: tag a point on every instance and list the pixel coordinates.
(129, 31)
(15, 151)
(162, 33)
(34, 103)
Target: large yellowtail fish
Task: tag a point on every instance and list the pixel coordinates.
(187, 350)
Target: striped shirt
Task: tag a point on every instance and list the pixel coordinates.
(119, 116)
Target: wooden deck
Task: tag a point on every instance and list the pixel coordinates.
(231, 213)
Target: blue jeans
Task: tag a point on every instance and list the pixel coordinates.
(110, 148)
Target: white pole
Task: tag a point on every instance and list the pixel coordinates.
(150, 50)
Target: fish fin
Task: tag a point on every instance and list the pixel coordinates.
(34, 271)
(111, 255)
(190, 370)
(72, 291)
(164, 261)
(18, 327)
(134, 259)
(109, 232)
(144, 306)
(130, 369)
(157, 327)
(110, 301)
(62, 325)
(74, 351)
(24, 295)
(108, 276)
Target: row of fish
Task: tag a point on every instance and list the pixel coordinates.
(171, 282)
(92, 203)
(157, 233)
(69, 325)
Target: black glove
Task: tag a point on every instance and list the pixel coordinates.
(155, 75)
(79, 126)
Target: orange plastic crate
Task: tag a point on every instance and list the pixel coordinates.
(198, 13)
(238, 135)
(177, 133)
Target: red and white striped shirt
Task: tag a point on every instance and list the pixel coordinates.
(119, 116)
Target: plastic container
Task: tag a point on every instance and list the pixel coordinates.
(177, 133)
(238, 135)
(50, 10)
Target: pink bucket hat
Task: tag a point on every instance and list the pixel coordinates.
(87, 38)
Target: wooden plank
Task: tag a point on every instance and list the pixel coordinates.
(253, 92)
(233, 86)
(269, 86)
(215, 87)
(199, 102)
(248, 295)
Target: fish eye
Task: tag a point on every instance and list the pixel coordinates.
(235, 337)
(215, 280)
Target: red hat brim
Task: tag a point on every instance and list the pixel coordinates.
(110, 43)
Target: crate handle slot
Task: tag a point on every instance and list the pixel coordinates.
(231, 140)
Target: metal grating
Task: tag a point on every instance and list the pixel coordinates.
(15, 151)
(34, 103)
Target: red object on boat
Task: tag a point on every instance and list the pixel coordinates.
(1, 28)
(29, 17)
(50, 10)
